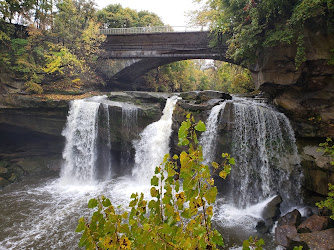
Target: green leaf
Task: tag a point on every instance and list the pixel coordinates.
(210, 195)
(200, 126)
(81, 225)
(232, 161)
(154, 192)
(146, 227)
(92, 203)
(155, 181)
(218, 238)
(106, 203)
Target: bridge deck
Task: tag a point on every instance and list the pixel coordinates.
(154, 29)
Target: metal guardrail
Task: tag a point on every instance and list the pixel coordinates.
(155, 29)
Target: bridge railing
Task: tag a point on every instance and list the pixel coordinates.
(155, 29)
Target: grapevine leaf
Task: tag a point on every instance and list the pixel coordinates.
(92, 203)
(200, 126)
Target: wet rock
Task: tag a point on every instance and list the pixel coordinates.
(312, 224)
(194, 107)
(210, 94)
(3, 182)
(291, 219)
(271, 212)
(191, 95)
(204, 96)
(321, 240)
(261, 227)
(283, 233)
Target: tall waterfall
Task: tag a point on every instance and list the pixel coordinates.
(153, 144)
(80, 148)
(87, 148)
(266, 154)
(264, 147)
(208, 138)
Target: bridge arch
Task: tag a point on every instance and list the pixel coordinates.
(152, 50)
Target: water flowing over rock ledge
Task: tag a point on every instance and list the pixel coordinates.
(32, 127)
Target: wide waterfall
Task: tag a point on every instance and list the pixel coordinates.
(266, 154)
(263, 144)
(153, 144)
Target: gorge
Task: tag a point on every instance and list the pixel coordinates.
(113, 144)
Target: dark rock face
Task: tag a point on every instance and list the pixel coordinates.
(283, 233)
(306, 96)
(310, 234)
(272, 211)
(270, 214)
(292, 219)
(316, 240)
(313, 224)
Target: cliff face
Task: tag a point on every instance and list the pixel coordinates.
(306, 96)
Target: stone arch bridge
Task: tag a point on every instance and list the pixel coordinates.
(154, 47)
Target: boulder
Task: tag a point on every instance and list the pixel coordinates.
(271, 212)
(261, 227)
(283, 233)
(321, 240)
(313, 224)
(291, 219)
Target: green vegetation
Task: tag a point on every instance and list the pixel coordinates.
(248, 26)
(115, 16)
(328, 148)
(195, 75)
(177, 217)
(60, 48)
(57, 47)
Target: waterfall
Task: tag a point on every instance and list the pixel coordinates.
(208, 138)
(80, 148)
(267, 160)
(87, 155)
(153, 144)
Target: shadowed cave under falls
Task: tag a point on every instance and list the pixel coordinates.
(259, 138)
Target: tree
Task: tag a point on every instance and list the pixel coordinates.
(250, 25)
(115, 16)
(179, 215)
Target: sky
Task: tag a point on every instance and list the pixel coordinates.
(171, 12)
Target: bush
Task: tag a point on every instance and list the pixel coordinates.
(177, 217)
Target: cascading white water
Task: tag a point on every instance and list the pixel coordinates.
(209, 136)
(80, 148)
(266, 154)
(153, 144)
(59, 206)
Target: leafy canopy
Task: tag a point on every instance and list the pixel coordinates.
(248, 26)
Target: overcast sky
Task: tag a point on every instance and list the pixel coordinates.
(171, 12)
